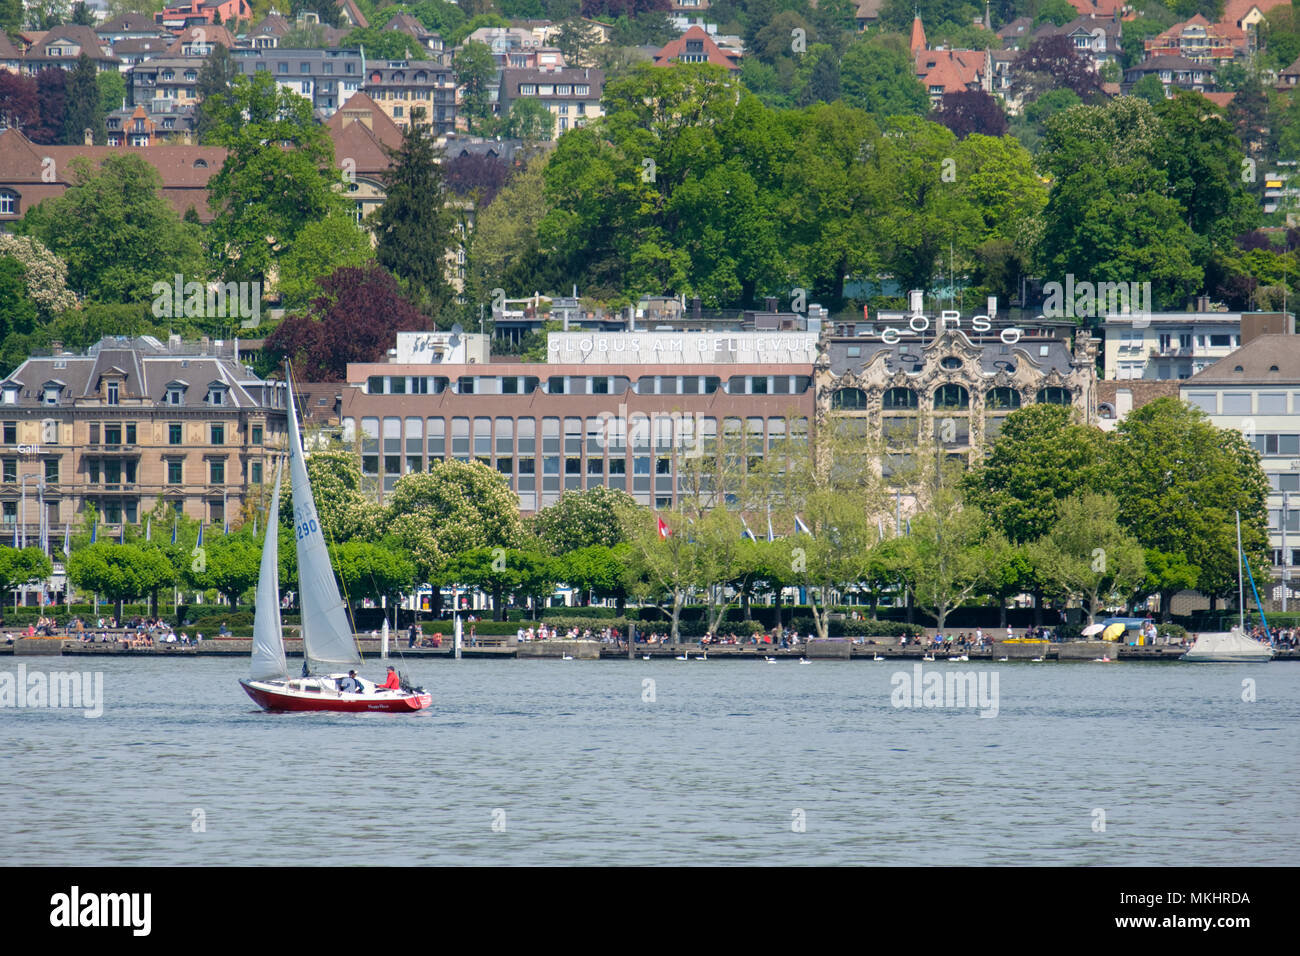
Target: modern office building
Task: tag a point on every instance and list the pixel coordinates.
(130, 421)
(623, 410)
(1256, 391)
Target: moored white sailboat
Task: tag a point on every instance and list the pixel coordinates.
(329, 650)
(1235, 646)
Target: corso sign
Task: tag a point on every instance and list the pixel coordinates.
(920, 324)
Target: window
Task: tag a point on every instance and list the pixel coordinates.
(51, 395)
(217, 433)
(112, 393)
(899, 398)
(174, 471)
(217, 472)
(1236, 404)
(849, 399)
(175, 395)
(1054, 396)
(130, 433)
(256, 434)
(951, 397)
(113, 434)
(8, 203)
(216, 396)
(255, 472)
(10, 470)
(11, 433)
(174, 433)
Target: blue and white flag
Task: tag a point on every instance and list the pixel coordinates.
(67, 540)
(746, 533)
(801, 528)
(173, 529)
(880, 526)
(148, 527)
(94, 530)
(770, 535)
(121, 534)
(909, 526)
(15, 536)
(200, 541)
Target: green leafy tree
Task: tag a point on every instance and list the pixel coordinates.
(278, 175)
(947, 553)
(504, 249)
(581, 519)
(530, 120)
(1039, 458)
(114, 230)
(475, 70)
(368, 570)
(1149, 88)
(344, 510)
(119, 572)
(321, 247)
(112, 91)
(597, 569)
(19, 566)
(1183, 482)
(500, 572)
(230, 564)
(877, 74)
(1087, 554)
(213, 91)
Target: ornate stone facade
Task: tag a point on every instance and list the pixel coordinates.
(963, 382)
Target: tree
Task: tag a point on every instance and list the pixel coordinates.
(530, 120)
(213, 91)
(575, 39)
(112, 91)
(475, 69)
(115, 231)
(1149, 88)
(818, 76)
(385, 44)
(85, 109)
(582, 519)
(455, 507)
(345, 513)
(414, 226)
(597, 569)
(11, 15)
(321, 249)
(504, 249)
(971, 111)
(119, 572)
(19, 105)
(1039, 458)
(368, 570)
(51, 98)
(352, 320)
(1184, 481)
(19, 566)
(231, 563)
(500, 572)
(947, 554)
(278, 175)
(476, 176)
(1087, 554)
(1050, 63)
(877, 74)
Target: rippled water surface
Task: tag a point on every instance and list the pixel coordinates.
(554, 762)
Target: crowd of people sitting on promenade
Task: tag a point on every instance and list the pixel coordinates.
(139, 632)
(1286, 638)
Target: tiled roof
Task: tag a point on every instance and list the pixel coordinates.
(1257, 360)
(715, 54)
(360, 106)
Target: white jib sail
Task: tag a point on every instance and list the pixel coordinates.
(268, 642)
(327, 639)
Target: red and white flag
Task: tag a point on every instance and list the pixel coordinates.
(664, 530)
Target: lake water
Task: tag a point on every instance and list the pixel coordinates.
(568, 762)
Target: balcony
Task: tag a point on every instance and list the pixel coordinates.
(104, 448)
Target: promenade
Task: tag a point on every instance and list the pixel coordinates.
(508, 648)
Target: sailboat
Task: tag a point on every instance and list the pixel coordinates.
(329, 650)
(1235, 646)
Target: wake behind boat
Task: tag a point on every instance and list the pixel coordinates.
(329, 649)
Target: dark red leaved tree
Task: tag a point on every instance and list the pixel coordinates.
(971, 111)
(355, 320)
(18, 103)
(51, 100)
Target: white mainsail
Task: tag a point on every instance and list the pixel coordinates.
(268, 642)
(328, 644)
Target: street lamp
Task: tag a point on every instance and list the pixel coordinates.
(22, 515)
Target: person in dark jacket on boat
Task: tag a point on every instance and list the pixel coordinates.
(391, 682)
(350, 684)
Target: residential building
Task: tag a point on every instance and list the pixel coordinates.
(1175, 72)
(409, 25)
(697, 46)
(62, 46)
(360, 130)
(1200, 41)
(130, 26)
(571, 95)
(199, 41)
(138, 127)
(1178, 345)
(199, 12)
(166, 82)
(402, 87)
(131, 421)
(327, 78)
(867, 13)
(30, 173)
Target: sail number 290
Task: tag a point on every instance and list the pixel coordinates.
(305, 528)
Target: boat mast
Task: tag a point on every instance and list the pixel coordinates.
(1241, 588)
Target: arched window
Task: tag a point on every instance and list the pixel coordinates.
(997, 399)
(1106, 412)
(896, 399)
(951, 397)
(1054, 396)
(849, 399)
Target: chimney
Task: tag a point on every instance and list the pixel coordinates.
(770, 303)
(203, 344)
(56, 347)
(993, 306)
(917, 299)
(695, 306)
(88, 136)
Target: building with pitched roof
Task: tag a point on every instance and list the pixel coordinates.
(360, 131)
(1175, 72)
(403, 87)
(697, 46)
(61, 47)
(571, 95)
(30, 174)
(1199, 41)
(132, 420)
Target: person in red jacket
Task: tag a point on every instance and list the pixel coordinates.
(391, 683)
